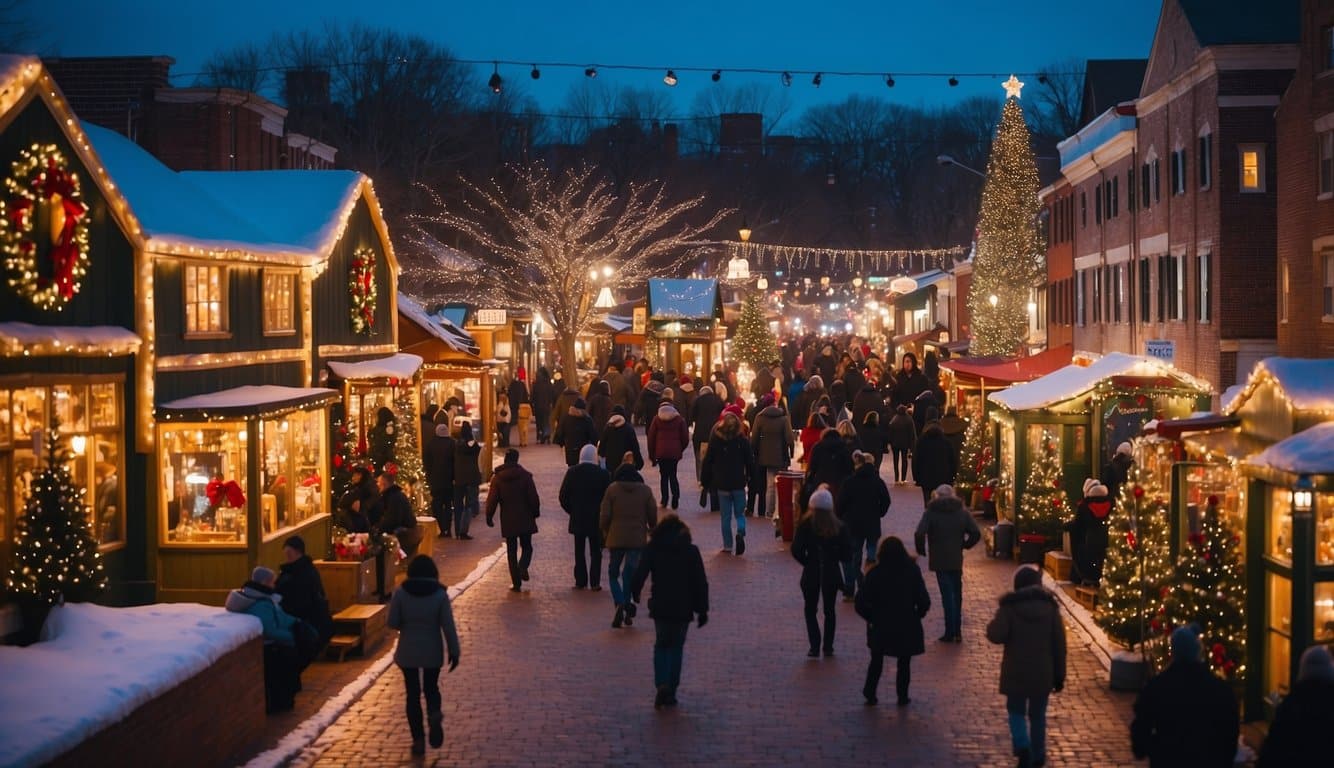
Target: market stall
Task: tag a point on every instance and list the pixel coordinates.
(967, 380)
(684, 317)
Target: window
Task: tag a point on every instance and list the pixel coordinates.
(1080, 287)
(1327, 43)
(290, 471)
(1116, 196)
(1145, 292)
(1097, 204)
(1157, 180)
(1283, 293)
(1118, 291)
(1130, 189)
(279, 302)
(1145, 189)
(1083, 210)
(1162, 288)
(1206, 160)
(1095, 298)
(205, 300)
(1179, 172)
(1327, 292)
(1179, 287)
(1252, 157)
(1326, 154)
(1203, 294)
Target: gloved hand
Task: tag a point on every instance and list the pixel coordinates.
(490, 522)
(703, 619)
(453, 662)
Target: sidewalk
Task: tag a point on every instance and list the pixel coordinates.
(544, 680)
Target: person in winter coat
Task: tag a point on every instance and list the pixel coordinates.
(467, 481)
(684, 396)
(933, 461)
(821, 544)
(421, 613)
(1186, 715)
(439, 466)
(599, 405)
(575, 431)
(619, 438)
(902, 434)
(838, 400)
(1117, 470)
(704, 414)
(626, 516)
(805, 402)
(763, 383)
(893, 599)
(667, 442)
(650, 397)
(830, 463)
(1028, 623)
(946, 530)
(383, 439)
(925, 410)
(680, 594)
(617, 387)
(518, 393)
(426, 427)
(1088, 535)
(282, 668)
(954, 429)
(504, 419)
(355, 504)
(565, 400)
(853, 384)
(302, 592)
(872, 437)
(728, 468)
(1302, 733)
(868, 400)
(395, 514)
(773, 442)
(863, 501)
(794, 390)
(581, 493)
(908, 382)
(816, 425)
(514, 493)
(543, 395)
(632, 386)
(826, 363)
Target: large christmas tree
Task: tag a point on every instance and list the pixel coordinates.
(754, 344)
(1044, 507)
(1137, 573)
(1211, 593)
(1008, 260)
(976, 463)
(55, 552)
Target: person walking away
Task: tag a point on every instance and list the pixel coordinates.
(467, 480)
(1028, 624)
(667, 441)
(282, 669)
(704, 413)
(728, 468)
(1091, 521)
(863, 501)
(1186, 715)
(650, 397)
(821, 544)
(542, 396)
(519, 402)
(503, 418)
(627, 515)
(954, 429)
(616, 386)
(774, 443)
(619, 438)
(565, 400)
(945, 531)
(830, 463)
(933, 461)
(302, 592)
(514, 493)
(872, 437)
(1302, 733)
(421, 613)
(685, 395)
(575, 431)
(599, 405)
(680, 594)
(893, 600)
(581, 493)
(440, 477)
(806, 402)
(902, 437)
(1117, 470)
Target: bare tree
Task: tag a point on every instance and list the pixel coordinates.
(532, 242)
(245, 68)
(702, 131)
(1056, 96)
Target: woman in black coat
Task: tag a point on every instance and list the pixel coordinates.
(680, 593)
(893, 601)
(467, 480)
(821, 544)
(581, 493)
(862, 502)
(543, 395)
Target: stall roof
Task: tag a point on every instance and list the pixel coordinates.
(67, 340)
(1074, 380)
(438, 326)
(400, 366)
(250, 400)
(1307, 384)
(1309, 452)
(677, 299)
(908, 338)
(1199, 422)
(916, 298)
(1012, 369)
(1231, 442)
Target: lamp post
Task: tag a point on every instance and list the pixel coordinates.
(949, 160)
(1303, 570)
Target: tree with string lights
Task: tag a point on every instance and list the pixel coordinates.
(754, 344)
(540, 239)
(1008, 260)
(1044, 507)
(977, 465)
(1210, 592)
(1138, 572)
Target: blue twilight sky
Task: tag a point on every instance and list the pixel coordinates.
(887, 36)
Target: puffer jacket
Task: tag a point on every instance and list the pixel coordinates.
(902, 432)
(515, 494)
(259, 601)
(575, 431)
(618, 438)
(421, 613)
(668, 437)
(863, 501)
(728, 463)
(772, 438)
(1028, 624)
(628, 511)
(680, 584)
(599, 405)
(947, 529)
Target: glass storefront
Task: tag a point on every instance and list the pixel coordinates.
(290, 471)
(197, 459)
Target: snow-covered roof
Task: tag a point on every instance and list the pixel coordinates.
(678, 299)
(1073, 380)
(438, 326)
(85, 341)
(17, 73)
(250, 398)
(1308, 385)
(400, 366)
(1309, 452)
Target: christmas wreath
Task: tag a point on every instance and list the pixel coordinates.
(361, 289)
(43, 190)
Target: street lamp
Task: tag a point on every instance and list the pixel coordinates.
(1303, 495)
(744, 232)
(949, 160)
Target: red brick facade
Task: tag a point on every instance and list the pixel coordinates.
(1305, 214)
(1058, 202)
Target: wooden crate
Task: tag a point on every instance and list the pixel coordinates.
(347, 582)
(1087, 597)
(1058, 565)
(365, 622)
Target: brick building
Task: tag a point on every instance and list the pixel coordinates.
(1175, 222)
(1305, 128)
(188, 129)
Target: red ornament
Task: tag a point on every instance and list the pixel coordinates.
(338, 462)
(1130, 539)
(1056, 483)
(1213, 500)
(393, 381)
(1139, 492)
(1056, 502)
(1156, 625)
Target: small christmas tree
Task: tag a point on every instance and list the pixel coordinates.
(408, 451)
(1137, 573)
(55, 552)
(1211, 593)
(344, 452)
(754, 344)
(976, 463)
(1044, 507)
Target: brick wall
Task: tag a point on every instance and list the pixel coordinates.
(113, 92)
(206, 721)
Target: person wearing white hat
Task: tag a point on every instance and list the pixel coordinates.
(1088, 533)
(821, 544)
(1117, 470)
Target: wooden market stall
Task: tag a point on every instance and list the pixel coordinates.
(969, 379)
(1087, 411)
(685, 317)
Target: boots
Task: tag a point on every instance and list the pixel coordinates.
(436, 720)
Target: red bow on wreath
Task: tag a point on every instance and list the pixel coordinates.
(65, 247)
(225, 493)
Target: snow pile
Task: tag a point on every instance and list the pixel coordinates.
(105, 663)
(111, 339)
(440, 327)
(400, 366)
(1308, 384)
(1074, 380)
(246, 397)
(1306, 453)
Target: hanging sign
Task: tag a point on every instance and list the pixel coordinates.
(903, 285)
(491, 317)
(639, 321)
(1161, 349)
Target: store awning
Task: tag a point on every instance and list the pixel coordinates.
(400, 366)
(917, 299)
(1073, 381)
(247, 401)
(28, 340)
(909, 338)
(1173, 429)
(438, 326)
(1010, 370)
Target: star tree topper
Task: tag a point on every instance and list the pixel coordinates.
(1012, 87)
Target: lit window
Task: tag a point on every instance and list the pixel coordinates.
(279, 302)
(1179, 279)
(1328, 292)
(1252, 167)
(205, 297)
(1283, 293)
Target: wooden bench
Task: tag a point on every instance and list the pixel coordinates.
(1087, 596)
(358, 628)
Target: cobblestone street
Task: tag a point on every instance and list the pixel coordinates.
(544, 680)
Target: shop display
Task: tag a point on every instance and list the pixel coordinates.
(195, 456)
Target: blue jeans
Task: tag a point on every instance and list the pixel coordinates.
(733, 504)
(1030, 733)
(852, 569)
(669, 648)
(951, 600)
(465, 508)
(619, 573)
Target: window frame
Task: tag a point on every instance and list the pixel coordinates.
(1285, 283)
(1206, 151)
(1325, 165)
(1157, 174)
(1204, 295)
(1130, 188)
(294, 302)
(1083, 210)
(224, 314)
(1179, 286)
(1327, 48)
(1081, 298)
(1259, 148)
(1145, 287)
(1327, 286)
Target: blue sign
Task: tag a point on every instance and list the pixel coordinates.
(1161, 349)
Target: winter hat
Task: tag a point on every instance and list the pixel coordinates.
(1316, 664)
(297, 543)
(1186, 643)
(821, 499)
(1027, 575)
(262, 575)
(766, 400)
(1125, 448)
(667, 393)
(588, 454)
(442, 430)
(734, 409)
(521, 374)
(512, 456)
(705, 390)
(815, 382)
(945, 491)
(580, 403)
(618, 410)
(1089, 483)
(1097, 489)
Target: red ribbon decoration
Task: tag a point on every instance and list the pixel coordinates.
(224, 493)
(65, 248)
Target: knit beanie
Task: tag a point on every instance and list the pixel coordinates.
(262, 575)
(1186, 643)
(1089, 483)
(1027, 575)
(821, 499)
(588, 454)
(1316, 664)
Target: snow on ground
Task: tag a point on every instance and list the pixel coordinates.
(102, 665)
